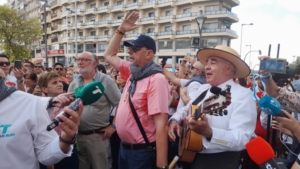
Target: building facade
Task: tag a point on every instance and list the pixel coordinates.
(171, 23)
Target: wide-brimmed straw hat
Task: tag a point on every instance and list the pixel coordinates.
(227, 53)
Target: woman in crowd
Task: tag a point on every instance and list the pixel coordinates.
(69, 75)
(30, 82)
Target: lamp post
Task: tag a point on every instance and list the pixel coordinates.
(259, 52)
(45, 5)
(200, 21)
(249, 56)
(242, 36)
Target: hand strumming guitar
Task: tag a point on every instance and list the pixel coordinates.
(201, 126)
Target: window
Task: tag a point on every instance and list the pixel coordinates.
(151, 14)
(69, 34)
(134, 1)
(93, 5)
(106, 18)
(183, 44)
(119, 2)
(93, 20)
(187, 10)
(168, 13)
(150, 30)
(91, 48)
(106, 3)
(69, 22)
(81, 21)
(210, 26)
(134, 31)
(61, 46)
(106, 32)
(165, 44)
(120, 17)
(168, 28)
(102, 47)
(93, 33)
(211, 43)
(212, 8)
(80, 33)
(186, 27)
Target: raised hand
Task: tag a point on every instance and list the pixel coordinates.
(128, 23)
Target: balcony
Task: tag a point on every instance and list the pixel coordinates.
(232, 17)
(131, 35)
(56, 28)
(166, 35)
(91, 38)
(91, 24)
(148, 20)
(186, 17)
(104, 24)
(55, 16)
(167, 19)
(233, 3)
(54, 4)
(56, 40)
(151, 4)
(103, 9)
(166, 3)
(118, 8)
(91, 50)
(79, 12)
(65, 2)
(133, 6)
(116, 22)
(220, 32)
(105, 38)
(91, 11)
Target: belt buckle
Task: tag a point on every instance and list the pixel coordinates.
(149, 148)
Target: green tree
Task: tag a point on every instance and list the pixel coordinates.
(295, 63)
(17, 33)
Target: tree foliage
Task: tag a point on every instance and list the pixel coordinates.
(295, 63)
(18, 33)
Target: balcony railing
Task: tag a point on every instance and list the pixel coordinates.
(193, 31)
(151, 34)
(53, 15)
(165, 33)
(104, 36)
(91, 37)
(90, 9)
(91, 23)
(54, 40)
(187, 15)
(103, 8)
(148, 19)
(131, 35)
(116, 21)
(80, 37)
(118, 6)
(104, 22)
(91, 50)
(133, 4)
(220, 12)
(165, 1)
(167, 17)
(54, 27)
(218, 30)
(150, 3)
(53, 3)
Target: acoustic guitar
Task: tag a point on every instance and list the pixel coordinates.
(190, 143)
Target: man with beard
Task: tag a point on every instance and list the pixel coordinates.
(94, 129)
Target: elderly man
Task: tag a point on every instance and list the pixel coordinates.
(223, 136)
(94, 129)
(142, 115)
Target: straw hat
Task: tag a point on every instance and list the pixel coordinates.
(227, 53)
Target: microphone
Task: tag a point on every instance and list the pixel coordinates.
(87, 94)
(263, 155)
(270, 106)
(215, 90)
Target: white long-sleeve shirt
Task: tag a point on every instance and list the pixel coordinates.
(229, 132)
(23, 137)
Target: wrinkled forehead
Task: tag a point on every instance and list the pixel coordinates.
(85, 55)
(214, 58)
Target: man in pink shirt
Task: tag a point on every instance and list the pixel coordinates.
(147, 88)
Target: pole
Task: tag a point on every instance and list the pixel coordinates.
(46, 45)
(67, 36)
(269, 116)
(76, 29)
(250, 58)
(241, 39)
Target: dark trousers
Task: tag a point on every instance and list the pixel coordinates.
(136, 159)
(224, 160)
(115, 147)
(66, 163)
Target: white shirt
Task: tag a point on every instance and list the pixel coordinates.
(11, 80)
(23, 137)
(230, 132)
(191, 90)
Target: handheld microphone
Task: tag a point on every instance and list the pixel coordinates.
(87, 94)
(263, 155)
(270, 106)
(216, 90)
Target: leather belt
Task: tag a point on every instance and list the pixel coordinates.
(98, 131)
(148, 147)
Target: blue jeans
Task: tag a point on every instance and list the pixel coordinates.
(136, 159)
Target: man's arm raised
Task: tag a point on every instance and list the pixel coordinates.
(127, 24)
(171, 77)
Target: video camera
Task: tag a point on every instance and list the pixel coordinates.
(283, 79)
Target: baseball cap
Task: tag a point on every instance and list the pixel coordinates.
(142, 41)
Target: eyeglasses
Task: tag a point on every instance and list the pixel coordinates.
(6, 63)
(57, 69)
(192, 67)
(83, 59)
(134, 48)
(37, 66)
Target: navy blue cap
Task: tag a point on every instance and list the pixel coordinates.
(142, 41)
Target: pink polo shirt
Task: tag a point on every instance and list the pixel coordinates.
(151, 97)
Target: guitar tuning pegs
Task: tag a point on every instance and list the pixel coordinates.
(220, 113)
(225, 112)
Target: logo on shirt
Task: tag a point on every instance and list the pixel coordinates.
(4, 131)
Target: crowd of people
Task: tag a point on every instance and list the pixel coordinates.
(137, 122)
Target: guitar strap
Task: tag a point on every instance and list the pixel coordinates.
(200, 98)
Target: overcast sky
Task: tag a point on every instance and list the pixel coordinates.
(275, 21)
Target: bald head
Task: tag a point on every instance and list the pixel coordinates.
(199, 66)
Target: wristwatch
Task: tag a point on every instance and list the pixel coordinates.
(73, 141)
(20, 81)
(113, 125)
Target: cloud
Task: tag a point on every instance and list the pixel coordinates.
(2, 2)
(290, 5)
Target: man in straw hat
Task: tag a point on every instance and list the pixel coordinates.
(224, 137)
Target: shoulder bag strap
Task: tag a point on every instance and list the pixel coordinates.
(200, 98)
(138, 120)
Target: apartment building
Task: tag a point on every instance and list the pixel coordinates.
(29, 8)
(171, 23)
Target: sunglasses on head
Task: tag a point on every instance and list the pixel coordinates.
(59, 69)
(37, 66)
(6, 63)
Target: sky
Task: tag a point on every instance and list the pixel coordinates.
(274, 22)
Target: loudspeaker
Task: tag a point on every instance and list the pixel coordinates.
(195, 42)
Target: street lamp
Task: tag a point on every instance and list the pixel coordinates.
(200, 21)
(249, 56)
(242, 36)
(259, 52)
(45, 5)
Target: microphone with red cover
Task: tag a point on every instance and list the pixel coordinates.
(263, 155)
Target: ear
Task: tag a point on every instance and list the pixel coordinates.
(44, 90)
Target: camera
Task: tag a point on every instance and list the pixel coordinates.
(283, 79)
